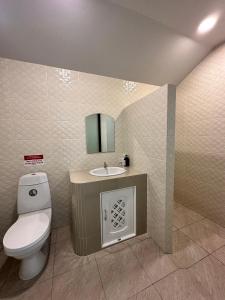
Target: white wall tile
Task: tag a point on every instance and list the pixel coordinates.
(200, 138)
(40, 113)
(149, 129)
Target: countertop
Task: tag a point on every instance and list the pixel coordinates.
(79, 177)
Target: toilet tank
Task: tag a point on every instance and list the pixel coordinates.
(33, 193)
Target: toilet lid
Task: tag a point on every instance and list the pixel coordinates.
(27, 230)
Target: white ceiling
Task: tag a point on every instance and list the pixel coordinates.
(144, 41)
(183, 16)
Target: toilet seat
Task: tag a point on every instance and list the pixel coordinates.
(27, 231)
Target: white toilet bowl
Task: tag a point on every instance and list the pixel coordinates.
(24, 240)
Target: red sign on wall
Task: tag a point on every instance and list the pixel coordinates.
(33, 159)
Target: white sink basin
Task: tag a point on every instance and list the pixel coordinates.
(109, 171)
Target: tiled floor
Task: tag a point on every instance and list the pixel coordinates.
(135, 269)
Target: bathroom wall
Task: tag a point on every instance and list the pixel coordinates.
(200, 138)
(42, 110)
(149, 129)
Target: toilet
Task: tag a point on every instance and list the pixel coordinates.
(25, 238)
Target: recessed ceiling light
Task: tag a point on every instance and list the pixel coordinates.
(207, 24)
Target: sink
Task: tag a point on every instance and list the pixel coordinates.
(109, 171)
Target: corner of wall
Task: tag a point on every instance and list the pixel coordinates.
(148, 137)
(170, 163)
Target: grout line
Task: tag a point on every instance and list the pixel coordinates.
(218, 259)
(178, 269)
(54, 251)
(152, 284)
(204, 217)
(158, 293)
(147, 287)
(88, 261)
(194, 222)
(130, 246)
(71, 270)
(197, 243)
(195, 263)
(140, 264)
(100, 277)
(135, 294)
(54, 254)
(51, 288)
(217, 249)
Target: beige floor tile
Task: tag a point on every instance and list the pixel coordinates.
(100, 254)
(83, 283)
(63, 233)
(121, 274)
(66, 259)
(6, 270)
(3, 268)
(53, 236)
(117, 247)
(3, 258)
(155, 263)
(147, 294)
(205, 236)
(209, 275)
(183, 216)
(179, 286)
(48, 271)
(143, 236)
(220, 254)
(176, 205)
(112, 249)
(14, 284)
(37, 291)
(214, 227)
(185, 251)
(133, 241)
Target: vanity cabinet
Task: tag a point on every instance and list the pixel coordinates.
(118, 215)
(106, 210)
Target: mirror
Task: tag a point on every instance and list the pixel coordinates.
(100, 133)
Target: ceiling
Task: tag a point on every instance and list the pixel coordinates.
(183, 16)
(152, 41)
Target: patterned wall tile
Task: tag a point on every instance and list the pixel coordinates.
(25, 81)
(200, 141)
(7, 130)
(148, 126)
(32, 129)
(42, 110)
(64, 110)
(24, 110)
(6, 108)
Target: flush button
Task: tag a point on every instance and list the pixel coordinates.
(33, 192)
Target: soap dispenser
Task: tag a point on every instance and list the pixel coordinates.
(126, 161)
